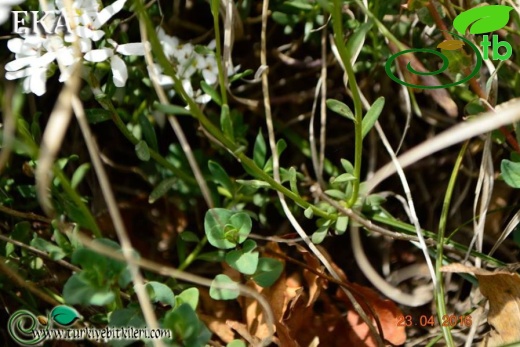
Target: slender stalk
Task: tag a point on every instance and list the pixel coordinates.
(221, 73)
(209, 126)
(345, 58)
(439, 290)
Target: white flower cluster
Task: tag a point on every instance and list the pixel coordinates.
(188, 63)
(37, 52)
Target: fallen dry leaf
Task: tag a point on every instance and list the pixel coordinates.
(450, 45)
(386, 310)
(275, 295)
(502, 289)
(219, 327)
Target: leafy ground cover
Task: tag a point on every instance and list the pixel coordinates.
(281, 173)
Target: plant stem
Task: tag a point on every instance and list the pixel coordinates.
(346, 60)
(439, 290)
(210, 127)
(221, 73)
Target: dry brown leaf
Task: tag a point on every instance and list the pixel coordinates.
(386, 310)
(315, 282)
(243, 331)
(451, 45)
(502, 289)
(219, 327)
(275, 295)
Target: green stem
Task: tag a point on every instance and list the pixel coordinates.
(439, 290)
(337, 25)
(410, 230)
(221, 73)
(107, 104)
(208, 125)
(193, 255)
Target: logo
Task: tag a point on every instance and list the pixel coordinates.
(482, 20)
(52, 22)
(27, 329)
(23, 324)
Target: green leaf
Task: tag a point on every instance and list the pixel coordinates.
(309, 212)
(142, 151)
(183, 322)
(335, 193)
(372, 115)
(341, 224)
(260, 150)
(224, 229)
(79, 174)
(97, 115)
(171, 109)
(223, 288)
(189, 296)
(244, 260)
(355, 42)
(241, 75)
(130, 316)
(189, 236)
(160, 292)
(268, 271)
(80, 290)
(236, 343)
(292, 180)
(485, 19)
(64, 315)
(226, 123)
(346, 177)
(319, 235)
(148, 132)
(511, 173)
(215, 96)
(281, 145)
(341, 109)
(55, 252)
(161, 189)
(221, 177)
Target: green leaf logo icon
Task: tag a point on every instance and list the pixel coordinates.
(64, 315)
(485, 19)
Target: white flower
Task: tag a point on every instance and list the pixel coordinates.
(156, 72)
(31, 63)
(210, 70)
(170, 44)
(5, 9)
(88, 18)
(118, 66)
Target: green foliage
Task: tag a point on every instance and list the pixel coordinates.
(224, 288)
(511, 173)
(225, 229)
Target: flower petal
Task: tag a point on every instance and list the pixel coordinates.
(209, 77)
(15, 45)
(37, 82)
(19, 63)
(99, 55)
(108, 12)
(131, 49)
(119, 71)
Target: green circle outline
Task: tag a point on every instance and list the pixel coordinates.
(445, 64)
